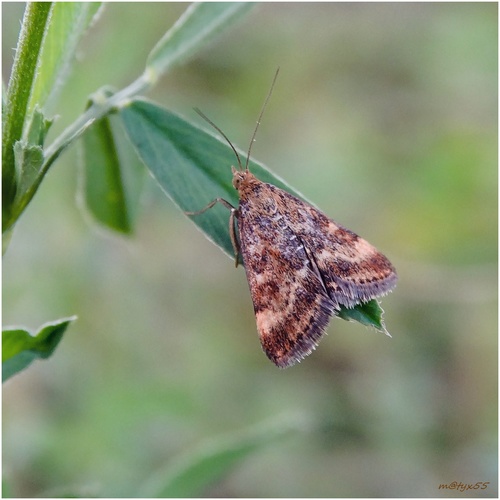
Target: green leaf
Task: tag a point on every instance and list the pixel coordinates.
(200, 23)
(34, 173)
(68, 22)
(112, 175)
(133, 173)
(192, 474)
(29, 153)
(38, 128)
(103, 187)
(29, 160)
(193, 168)
(368, 314)
(20, 348)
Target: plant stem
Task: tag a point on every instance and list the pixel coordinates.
(101, 107)
(94, 112)
(28, 49)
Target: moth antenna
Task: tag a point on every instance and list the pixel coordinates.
(260, 117)
(205, 117)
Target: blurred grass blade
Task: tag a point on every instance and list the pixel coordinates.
(200, 23)
(20, 349)
(68, 22)
(194, 473)
(193, 168)
(103, 188)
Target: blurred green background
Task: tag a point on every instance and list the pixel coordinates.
(385, 116)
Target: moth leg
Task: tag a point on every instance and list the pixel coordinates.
(222, 201)
(232, 232)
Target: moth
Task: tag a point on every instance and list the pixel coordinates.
(301, 266)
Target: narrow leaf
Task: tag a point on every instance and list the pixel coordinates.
(193, 168)
(102, 179)
(20, 348)
(68, 22)
(192, 474)
(112, 175)
(199, 24)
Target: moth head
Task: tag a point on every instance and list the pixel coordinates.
(239, 177)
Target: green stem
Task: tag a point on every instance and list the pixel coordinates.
(28, 49)
(101, 107)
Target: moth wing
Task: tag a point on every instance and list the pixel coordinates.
(292, 306)
(352, 269)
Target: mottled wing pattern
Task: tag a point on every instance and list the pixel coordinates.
(352, 269)
(291, 305)
(301, 267)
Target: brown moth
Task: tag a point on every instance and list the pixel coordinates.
(300, 265)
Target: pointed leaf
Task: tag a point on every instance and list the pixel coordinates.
(195, 28)
(20, 348)
(67, 23)
(368, 314)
